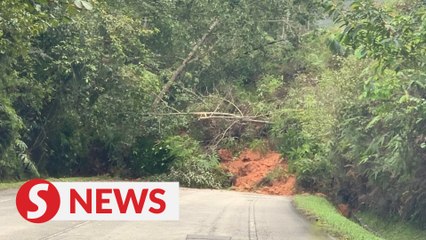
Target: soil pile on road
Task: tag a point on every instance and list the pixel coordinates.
(256, 172)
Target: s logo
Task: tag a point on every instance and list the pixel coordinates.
(38, 201)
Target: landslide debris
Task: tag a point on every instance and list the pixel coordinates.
(256, 172)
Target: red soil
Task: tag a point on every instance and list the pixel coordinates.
(281, 187)
(251, 167)
(344, 209)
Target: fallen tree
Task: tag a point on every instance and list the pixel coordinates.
(217, 115)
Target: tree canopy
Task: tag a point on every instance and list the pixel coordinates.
(152, 89)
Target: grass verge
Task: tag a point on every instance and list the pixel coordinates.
(329, 219)
(392, 229)
(10, 185)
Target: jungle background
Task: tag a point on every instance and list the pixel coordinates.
(153, 89)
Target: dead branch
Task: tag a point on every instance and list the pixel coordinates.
(185, 62)
(216, 115)
(242, 119)
(223, 134)
(192, 93)
(233, 104)
(170, 107)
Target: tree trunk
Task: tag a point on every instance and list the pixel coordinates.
(181, 68)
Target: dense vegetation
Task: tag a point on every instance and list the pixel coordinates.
(358, 127)
(326, 217)
(118, 87)
(139, 89)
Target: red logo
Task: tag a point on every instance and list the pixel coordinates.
(38, 201)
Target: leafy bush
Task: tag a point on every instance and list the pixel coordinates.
(379, 143)
(268, 86)
(303, 154)
(191, 167)
(148, 158)
(14, 160)
(277, 174)
(192, 173)
(10, 124)
(259, 145)
(304, 128)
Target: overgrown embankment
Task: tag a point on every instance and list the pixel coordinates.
(92, 90)
(354, 122)
(324, 214)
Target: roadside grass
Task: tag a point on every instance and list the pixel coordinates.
(392, 229)
(330, 220)
(17, 184)
(9, 185)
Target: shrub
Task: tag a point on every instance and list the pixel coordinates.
(304, 128)
(191, 167)
(148, 157)
(14, 160)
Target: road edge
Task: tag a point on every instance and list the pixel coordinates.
(311, 219)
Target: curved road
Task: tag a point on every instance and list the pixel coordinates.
(204, 214)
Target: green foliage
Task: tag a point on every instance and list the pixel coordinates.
(183, 148)
(191, 167)
(80, 4)
(390, 36)
(356, 124)
(10, 124)
(149, 158)
(330, 220)
(194, 174)
(305, 154)
(14, 158)
(391, 228)
(380, 134)
(19, 22)
(260, 145)
(277, 174)
(304, 128)
(268, 86)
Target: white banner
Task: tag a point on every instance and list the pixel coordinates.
(39, 201)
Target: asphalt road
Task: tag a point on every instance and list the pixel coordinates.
(204, 214)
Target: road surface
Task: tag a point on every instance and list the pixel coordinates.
(204, 214)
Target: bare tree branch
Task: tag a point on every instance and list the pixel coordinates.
(223, 134)
(242, 119)
(216, 115)
(181, 68)
(230, 102)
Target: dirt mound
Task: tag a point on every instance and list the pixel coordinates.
(225, 155)
(281, 187)
(251, 169)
